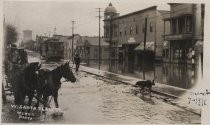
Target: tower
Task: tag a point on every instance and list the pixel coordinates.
(109, 13)
(27, 35)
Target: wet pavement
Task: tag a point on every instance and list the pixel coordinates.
(178, 75)
(95, 100)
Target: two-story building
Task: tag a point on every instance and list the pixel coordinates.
(135, 33)
(184, 43)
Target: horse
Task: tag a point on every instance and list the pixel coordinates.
(51, 81)
(25, 83)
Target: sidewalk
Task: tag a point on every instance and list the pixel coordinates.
(173, 95)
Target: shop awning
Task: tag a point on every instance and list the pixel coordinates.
(149, 46)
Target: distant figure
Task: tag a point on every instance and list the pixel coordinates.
(77, 61)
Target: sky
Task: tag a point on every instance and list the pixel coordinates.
(43, 16)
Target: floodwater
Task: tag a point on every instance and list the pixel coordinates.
(178, 75)
(94, 100)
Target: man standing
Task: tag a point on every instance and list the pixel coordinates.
(77, 61)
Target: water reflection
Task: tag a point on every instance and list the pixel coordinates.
(179, 75)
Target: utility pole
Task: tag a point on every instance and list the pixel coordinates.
(145, 39)
(99, 36)
(72, 47)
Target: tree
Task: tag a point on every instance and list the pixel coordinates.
(11, 34)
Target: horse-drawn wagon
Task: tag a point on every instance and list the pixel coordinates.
(31, 81)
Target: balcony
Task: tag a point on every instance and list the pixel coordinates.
(179, 36)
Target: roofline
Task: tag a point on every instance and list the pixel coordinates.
(136, 12)
(165, 10)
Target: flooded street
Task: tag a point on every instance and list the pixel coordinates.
(178, 75)
(93, 100)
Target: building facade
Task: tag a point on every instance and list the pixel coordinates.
(135, 33)
(72, 49)
(88, 48)
(184, 43)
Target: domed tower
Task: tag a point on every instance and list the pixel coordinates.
(109, 13)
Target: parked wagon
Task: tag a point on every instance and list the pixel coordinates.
(52, 49)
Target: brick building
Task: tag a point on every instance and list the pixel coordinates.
(129, 34)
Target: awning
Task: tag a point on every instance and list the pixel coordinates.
(149, 46)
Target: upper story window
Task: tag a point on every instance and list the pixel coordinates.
(151, 27)
(131, 30)
(137, 29)
(173, 28)
(189, 24)
(125, 32)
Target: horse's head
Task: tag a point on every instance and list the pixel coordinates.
(67, 72)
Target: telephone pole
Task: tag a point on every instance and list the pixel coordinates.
(72, 47)
(145, 39)
(99, 45)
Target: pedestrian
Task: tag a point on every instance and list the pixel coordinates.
(77, 61)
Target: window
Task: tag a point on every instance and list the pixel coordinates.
(137, 29)
(125, 32)
(174, 30)
(131, 30)
(151, 27)
(120, 33)
(188, 24)
(88, 50)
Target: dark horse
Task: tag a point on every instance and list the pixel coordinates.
(51, 81)
(25, 83)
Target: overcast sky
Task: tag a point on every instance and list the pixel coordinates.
(43, 16)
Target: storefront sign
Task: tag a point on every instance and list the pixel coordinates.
(131, 40)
